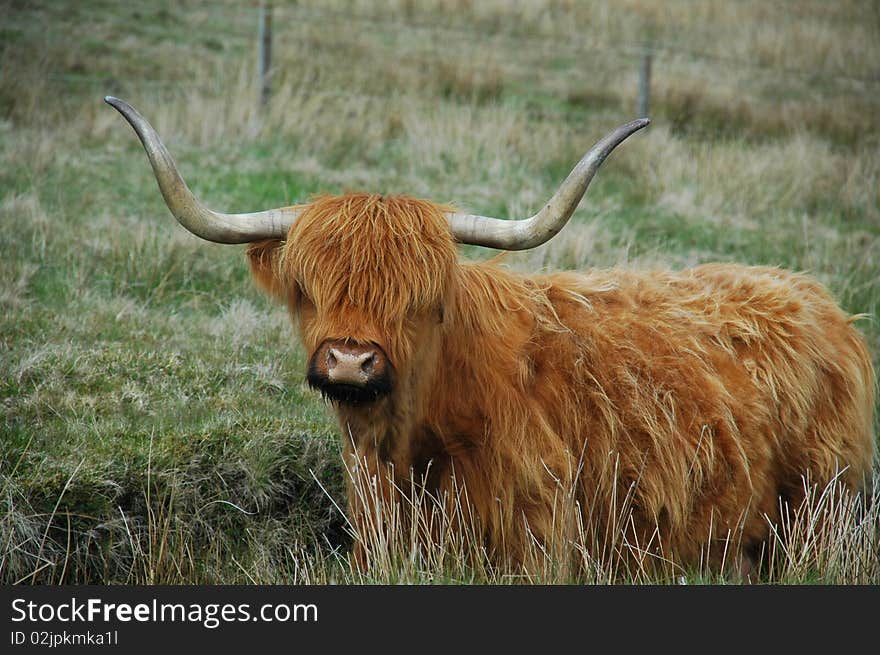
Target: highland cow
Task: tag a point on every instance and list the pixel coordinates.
(704, 396)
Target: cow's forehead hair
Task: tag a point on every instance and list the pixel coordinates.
(384, 256)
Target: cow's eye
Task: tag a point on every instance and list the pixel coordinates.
(303, 299)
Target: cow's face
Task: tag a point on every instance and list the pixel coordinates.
(366, 277)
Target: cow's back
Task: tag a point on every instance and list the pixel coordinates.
(705, 395)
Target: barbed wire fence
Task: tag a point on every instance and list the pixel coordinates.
(642, 58)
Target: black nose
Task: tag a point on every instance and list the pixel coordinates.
(350, 372)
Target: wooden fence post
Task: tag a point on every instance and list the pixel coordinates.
(265, 63)
(644, 102)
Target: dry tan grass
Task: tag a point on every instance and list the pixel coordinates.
(742, 182)
(416, 537)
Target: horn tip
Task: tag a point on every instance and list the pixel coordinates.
(635, 125)
(116, 103)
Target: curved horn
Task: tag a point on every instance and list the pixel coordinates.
(189, 212)
(532, 232)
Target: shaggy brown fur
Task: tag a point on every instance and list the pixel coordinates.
(704, 395)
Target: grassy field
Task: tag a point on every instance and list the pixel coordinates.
(155, 426)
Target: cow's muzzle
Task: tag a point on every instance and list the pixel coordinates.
(350, 372)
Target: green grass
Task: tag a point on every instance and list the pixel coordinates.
(154, 421)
